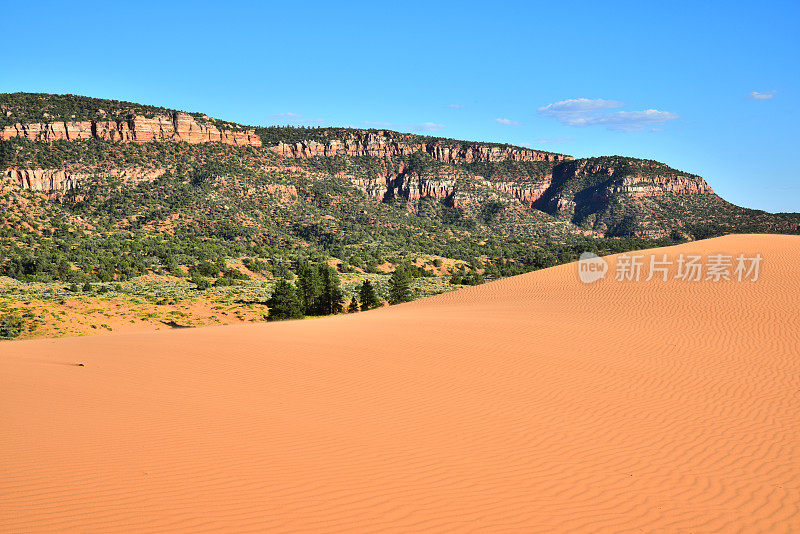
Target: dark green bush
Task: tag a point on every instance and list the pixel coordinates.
(11, 325)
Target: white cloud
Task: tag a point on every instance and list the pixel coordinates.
(577, 106)
(594, 112)
(453, 106)
(507, 122)
(765, 95)
(631, 121)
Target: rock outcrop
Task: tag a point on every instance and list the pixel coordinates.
(383, 144)
(55, 181)
(45, 180)
(624, 196)
(639, 186)
(401, 182)
(139, 129)
(524, 192)
(635, 177)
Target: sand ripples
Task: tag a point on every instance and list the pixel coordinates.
(532, 404)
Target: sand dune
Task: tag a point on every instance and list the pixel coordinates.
(531, 404)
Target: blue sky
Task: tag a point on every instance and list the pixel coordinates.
(707, 87)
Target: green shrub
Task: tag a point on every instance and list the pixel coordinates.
(11, 326)
(224, 282)
(201, 283)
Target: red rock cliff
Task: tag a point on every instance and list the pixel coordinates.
(53, 182)
(174, 127)
(385, 145)
(641, 178)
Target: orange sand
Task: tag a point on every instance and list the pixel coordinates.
(532, 404)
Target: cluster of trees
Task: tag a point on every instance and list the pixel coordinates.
(86, 288)
(57, 264)
(317, 291)
(467, 278)
(224, 275)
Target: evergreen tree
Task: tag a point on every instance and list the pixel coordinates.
(309, 286)
(331, 298)
(369, 300)
(399, 286)
(353, 306)
(284, 303)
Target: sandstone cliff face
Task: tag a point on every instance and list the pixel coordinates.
(414, 186)
(45, 180)
(614, 193)
(640, 179)
(385, 145)
(639, 186)
(401, 182)
(139, 129)
(524, 191)
(54, 182)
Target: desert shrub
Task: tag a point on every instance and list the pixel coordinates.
(11, 326)
(254, 265)
(224, 282)
(234, 274)
(201, 283)
(206, 268)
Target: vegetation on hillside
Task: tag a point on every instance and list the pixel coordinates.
(215, 216)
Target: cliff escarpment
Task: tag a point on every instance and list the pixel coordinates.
(57, 144)
(55, 182)
(175, 127)
(622, 195)
(385, 144)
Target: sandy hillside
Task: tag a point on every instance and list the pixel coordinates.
(532, 404)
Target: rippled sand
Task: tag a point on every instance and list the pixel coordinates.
(531, 404)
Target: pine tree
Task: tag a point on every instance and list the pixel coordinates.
(369, 300)
(331, 298)
(399, 286)
(353, 306)
(309, 287)
(284, 303)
